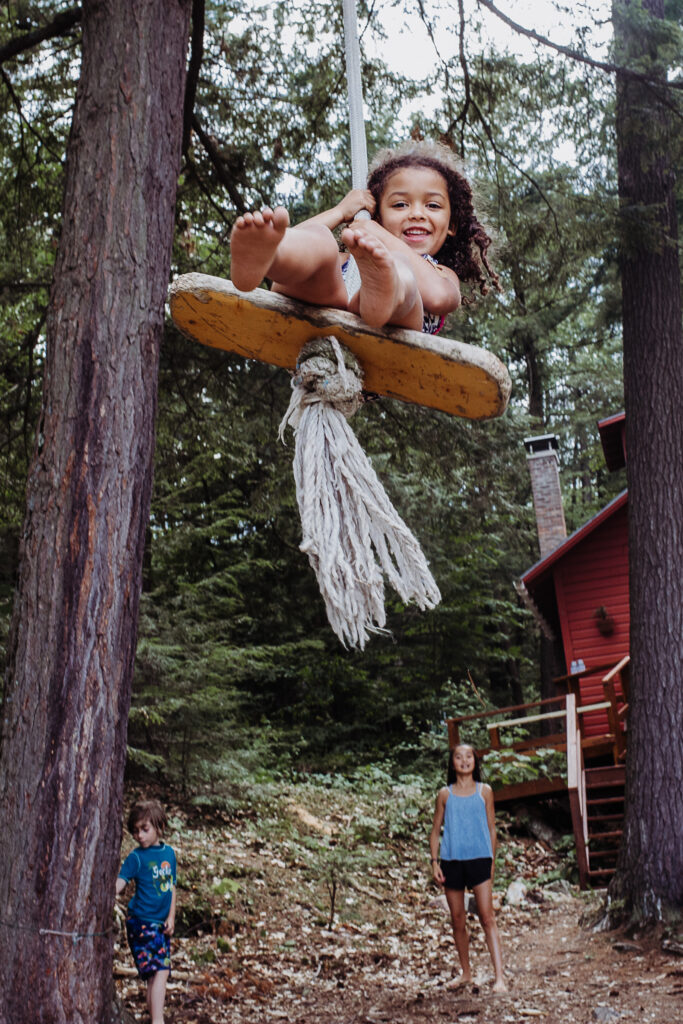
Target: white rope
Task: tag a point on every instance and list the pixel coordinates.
(352, 534)
(354, 84)
(359, 153)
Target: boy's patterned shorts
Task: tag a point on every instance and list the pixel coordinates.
(151, 949)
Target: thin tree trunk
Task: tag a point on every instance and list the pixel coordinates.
(73, 636)
(649, 878)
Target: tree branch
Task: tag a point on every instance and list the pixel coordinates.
(196, 55)
(23, 120)
(214, 155)
(462, 116)
(567, 51)
(60, 24)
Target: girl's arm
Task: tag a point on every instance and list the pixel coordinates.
(120, 885)
(434, 835)
(487, 793)
(344, 212)
(439, 286)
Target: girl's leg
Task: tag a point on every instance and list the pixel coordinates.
(388, 293)
(456, 905)
(302, 261)
(156, 995)
(484, 896)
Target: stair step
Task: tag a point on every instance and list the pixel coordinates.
(604, 835)
(604, 800)
(604, 817)
(602, 853)
(612, 772)
(601, 873)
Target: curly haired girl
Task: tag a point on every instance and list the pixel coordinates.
(402, 267)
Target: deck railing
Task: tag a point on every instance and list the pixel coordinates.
(617, 710)
(615, 685)
(576, 788)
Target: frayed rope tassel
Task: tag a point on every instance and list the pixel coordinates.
(352, 534)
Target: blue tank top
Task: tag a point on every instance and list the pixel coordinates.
(465, 827)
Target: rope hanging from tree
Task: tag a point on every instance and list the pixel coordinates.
(352, 533)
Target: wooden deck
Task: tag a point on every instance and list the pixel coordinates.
(596, 794)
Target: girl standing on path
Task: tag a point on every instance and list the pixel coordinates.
(403, 267)
(464, 807)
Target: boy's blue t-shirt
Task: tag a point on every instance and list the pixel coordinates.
(154, 872)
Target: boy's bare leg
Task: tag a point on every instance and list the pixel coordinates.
(303, 262)
(388, 292)
(156, 995)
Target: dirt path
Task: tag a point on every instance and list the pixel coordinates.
(558, 972)
(253, 946)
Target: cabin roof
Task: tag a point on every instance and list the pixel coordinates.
(611, 431)
(537, 572)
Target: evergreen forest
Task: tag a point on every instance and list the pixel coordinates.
(238, 674)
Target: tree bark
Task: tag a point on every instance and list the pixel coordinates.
(73, 636)
(648, 884)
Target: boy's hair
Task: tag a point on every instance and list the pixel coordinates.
(465, 252)
(452, 776)
(148, 810)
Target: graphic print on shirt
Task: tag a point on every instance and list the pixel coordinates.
(163, 876)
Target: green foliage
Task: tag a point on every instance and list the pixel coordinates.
(507, 767)
(237, 674)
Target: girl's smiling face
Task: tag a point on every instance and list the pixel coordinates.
(415, 208)
(463, 760)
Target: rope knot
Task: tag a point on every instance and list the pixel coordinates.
(352, 534)
(325, 372)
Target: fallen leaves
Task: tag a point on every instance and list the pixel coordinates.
(260, 949)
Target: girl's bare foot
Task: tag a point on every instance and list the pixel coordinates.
(499, 986)
(384, 295)
(458, 984)
(253, 245)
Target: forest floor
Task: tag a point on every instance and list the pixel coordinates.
(254, 942)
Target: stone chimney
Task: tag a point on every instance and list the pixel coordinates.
(541, 453)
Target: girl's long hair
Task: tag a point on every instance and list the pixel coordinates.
(466, 250)
(452, 776)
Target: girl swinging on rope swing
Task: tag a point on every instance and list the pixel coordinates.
(401, 268)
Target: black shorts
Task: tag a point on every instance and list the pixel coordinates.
(465, 874)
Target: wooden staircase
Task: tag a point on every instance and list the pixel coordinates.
(604, 810)
(596, 794)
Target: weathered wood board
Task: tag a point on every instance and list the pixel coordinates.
(425, 369)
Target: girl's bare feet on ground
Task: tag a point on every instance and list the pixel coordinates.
(499, 986)
(253, 244)
(458, 984)
(386, 295)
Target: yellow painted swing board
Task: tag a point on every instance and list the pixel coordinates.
(425, 369)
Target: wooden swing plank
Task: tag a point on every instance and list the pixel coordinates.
(425, 369)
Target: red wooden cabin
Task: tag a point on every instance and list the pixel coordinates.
(579, 587)
(580, 594)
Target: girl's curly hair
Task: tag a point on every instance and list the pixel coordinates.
(465, 252)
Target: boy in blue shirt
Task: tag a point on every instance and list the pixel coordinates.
(151, 912)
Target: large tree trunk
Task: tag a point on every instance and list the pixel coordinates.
(73, 636)
(649, 878)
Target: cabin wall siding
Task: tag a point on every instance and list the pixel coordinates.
(591, 575)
